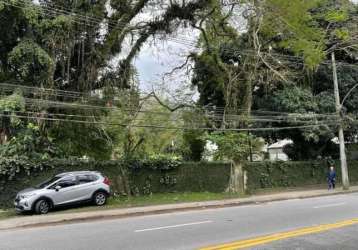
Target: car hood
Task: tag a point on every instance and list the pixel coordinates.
(26, 190)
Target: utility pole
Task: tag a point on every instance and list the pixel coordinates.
(342, 150)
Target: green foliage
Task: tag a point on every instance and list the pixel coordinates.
(213, 67)
(189, 177)
(31, 63)
(210, 78)
(57, 26)
(193, 145)
(10, 105)
(134, 138)
(336, 16)
(22, 138)
(234, 146)
(12, 167)
(294, 19)
(14, 102)
(326, 102)
(278, 174)
(159, 162)
(78, 140)
(308, 28)
(32, 13)
(309, 143)
(28, 142)
(342, 34)
(294, 99)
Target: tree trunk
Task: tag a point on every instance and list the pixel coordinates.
(236, 184)
(3, 136)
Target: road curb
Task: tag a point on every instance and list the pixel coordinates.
(59, 219)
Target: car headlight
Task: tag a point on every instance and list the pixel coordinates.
(25, 196)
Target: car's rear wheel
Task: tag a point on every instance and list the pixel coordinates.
(100, 198)
(42, 207)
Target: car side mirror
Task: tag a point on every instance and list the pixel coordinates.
(57, 188)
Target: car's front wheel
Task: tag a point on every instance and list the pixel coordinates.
(42, 207)
(100, 198)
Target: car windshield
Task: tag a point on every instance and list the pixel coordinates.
(48, 182)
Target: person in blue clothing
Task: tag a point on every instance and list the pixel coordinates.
(331, 177)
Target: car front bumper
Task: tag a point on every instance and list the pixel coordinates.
(22, 205)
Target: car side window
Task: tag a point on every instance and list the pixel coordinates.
(87, 178)
(67, 182)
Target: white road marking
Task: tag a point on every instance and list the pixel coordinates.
(331, 205)
(173, 226)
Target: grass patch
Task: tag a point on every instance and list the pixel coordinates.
(140, 201)
(5, 214)
(156, 199)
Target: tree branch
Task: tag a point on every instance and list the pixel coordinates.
(171, 109)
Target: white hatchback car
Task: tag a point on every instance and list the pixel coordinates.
(64, 189)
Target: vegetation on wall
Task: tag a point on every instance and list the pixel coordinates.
(278, 174)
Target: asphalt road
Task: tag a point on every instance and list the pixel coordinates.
(342, 239)
(196, 229)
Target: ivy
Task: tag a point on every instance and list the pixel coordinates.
(19, 164)
(162, 163)
(276, 174)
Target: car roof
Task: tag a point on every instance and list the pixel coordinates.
(77, 173)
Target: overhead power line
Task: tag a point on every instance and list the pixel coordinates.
(94, 107)
(209, 110)
(170, 119)
(171, 127)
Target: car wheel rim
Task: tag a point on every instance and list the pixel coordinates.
(44, 207)
(100, 199)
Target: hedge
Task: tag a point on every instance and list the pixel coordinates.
(144, 177)
(278, 174)
(190, 177)
(137, 177)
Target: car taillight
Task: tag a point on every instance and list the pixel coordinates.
(106, 181)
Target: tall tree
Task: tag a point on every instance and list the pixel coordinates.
(72, 46)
